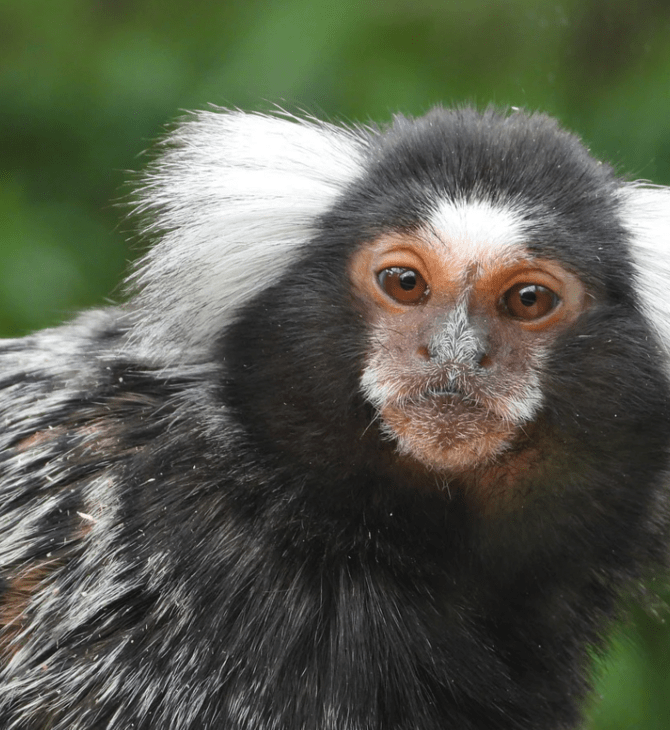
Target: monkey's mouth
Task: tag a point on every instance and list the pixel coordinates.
(446, 391)
(447, 425)
(448, 430)
(442, 386)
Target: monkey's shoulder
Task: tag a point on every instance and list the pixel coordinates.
(94, 441)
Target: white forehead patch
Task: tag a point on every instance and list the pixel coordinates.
(478, 231)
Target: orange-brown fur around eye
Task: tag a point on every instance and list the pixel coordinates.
(449, 272)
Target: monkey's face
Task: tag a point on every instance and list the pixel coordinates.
(461, 319)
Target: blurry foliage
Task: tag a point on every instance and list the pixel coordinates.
(87, 85)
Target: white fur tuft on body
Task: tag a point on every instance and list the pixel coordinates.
(232, 200)
(646, 214)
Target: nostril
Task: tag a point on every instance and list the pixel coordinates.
(485, 361)
(423, 352)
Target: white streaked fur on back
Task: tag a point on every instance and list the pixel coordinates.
(646, 214)
(232, 200)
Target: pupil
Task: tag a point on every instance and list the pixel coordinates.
(528, 296)
(407, 280)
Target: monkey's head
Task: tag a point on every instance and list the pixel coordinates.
(462, 318)
(468, 298)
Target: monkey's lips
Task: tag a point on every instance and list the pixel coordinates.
(445, 392)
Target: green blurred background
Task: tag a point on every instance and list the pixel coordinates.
(87, 85)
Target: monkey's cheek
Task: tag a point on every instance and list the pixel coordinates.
(448, 436)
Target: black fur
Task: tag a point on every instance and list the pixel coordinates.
(233, 544)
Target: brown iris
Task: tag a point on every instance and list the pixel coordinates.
(529, 301)
(406, 286)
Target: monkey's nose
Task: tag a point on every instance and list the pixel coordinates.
(468, 348)
(461, 338)
(483, 361)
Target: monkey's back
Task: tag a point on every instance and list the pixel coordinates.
(95, 602)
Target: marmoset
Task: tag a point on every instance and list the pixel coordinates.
(378, 439)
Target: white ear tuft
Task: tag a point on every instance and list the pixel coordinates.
(232, 201)
(647, 216)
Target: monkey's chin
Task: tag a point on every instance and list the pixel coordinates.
(449, 435)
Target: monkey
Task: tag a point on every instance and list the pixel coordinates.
(377, 440)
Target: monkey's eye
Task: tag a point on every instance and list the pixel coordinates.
(529, 301)
(406, 286)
